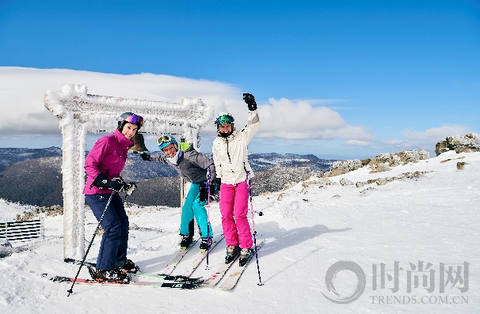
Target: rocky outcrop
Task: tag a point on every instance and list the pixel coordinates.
(345, 166)
(384, 162)
(460, 144)
(381, 163)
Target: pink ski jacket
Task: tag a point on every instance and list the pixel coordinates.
(108, 156)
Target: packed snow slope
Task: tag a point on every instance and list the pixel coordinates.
(413, 240)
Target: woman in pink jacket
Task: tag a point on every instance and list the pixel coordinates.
(230, 156)
(103, 165)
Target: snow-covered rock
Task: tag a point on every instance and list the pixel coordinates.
(468, 143)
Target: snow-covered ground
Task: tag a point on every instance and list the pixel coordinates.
(408, 246)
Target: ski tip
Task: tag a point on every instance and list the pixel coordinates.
(61, 279)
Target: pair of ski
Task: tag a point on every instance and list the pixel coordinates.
(184, 281)
(167, 280)
(218, 274)
(236, 272)
(197, 261)
(191, 283)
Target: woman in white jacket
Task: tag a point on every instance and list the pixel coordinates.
(230, 155)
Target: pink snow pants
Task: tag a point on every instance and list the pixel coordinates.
(234, 209)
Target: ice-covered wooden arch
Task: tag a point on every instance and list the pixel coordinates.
(79, 113)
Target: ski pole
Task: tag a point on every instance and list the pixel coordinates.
(70, 291)
(250, 200)
(209, 178)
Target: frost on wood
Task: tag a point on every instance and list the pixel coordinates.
(100, 113)
(79, 113)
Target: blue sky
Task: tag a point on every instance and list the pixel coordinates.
(398, 74)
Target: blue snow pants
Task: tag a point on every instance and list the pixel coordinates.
(113, 247)
(193, 207)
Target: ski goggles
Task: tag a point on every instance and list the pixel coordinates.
(166, 139)
(225, 119)
(133, 118)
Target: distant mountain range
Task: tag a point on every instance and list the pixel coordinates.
(33, 176)
(9, 156)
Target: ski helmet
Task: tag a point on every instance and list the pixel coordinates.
(223, 118)
(129, 117)
(166, 140)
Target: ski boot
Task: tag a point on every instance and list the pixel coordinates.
(232, 253)
(205, 244)
(186, 241)
(245, 255)
(112, 275)
(128, 266)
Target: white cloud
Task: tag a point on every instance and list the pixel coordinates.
(300, 120)
(434, 134)
(413, 139)
(23, 90)
(284, 121)
(358, 143)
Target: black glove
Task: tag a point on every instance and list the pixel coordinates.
(250, 101)
(203, 196)
(146, 156)
(117, 184)
(215, 186)
(130, 188)
(102, 182)
(216, 183)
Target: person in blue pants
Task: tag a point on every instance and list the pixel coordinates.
(115, 224)
(198, 169)
(103, 166)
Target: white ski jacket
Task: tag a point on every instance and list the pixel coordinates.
(230, 154)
